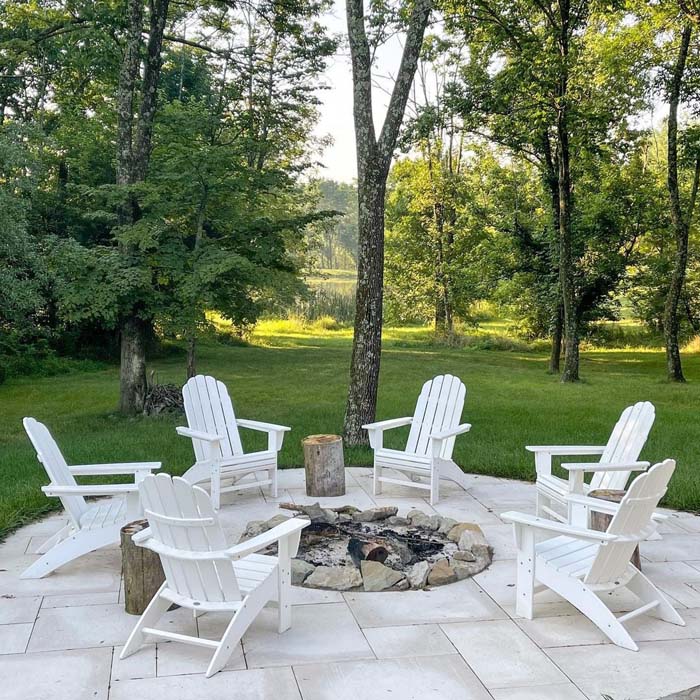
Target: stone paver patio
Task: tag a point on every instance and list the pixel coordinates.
(60, 637)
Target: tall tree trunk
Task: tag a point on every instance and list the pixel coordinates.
(551, 177)
(373, 163)
(674, 369)
(557, 333)
(367, 343)
(443, 305)
(570, 372)
(191, 356)
(134, 132)
(132, 375)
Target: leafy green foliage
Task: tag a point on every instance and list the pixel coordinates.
(220, 217)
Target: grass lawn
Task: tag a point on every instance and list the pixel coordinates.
(298, 377)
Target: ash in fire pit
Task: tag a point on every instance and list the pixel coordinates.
(345, 548)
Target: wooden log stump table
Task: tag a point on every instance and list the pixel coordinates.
(324, 465)
(141, 568)
(600, 521)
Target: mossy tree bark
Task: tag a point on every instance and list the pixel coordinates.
(681, 221)
(570, 372)
(373, 162)
(136, 108)
(551, 181)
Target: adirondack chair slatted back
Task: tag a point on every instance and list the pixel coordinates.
(439, 407)
(181, 517)
(50, 456)
(625, 444)
(631, 519)
(208, 408)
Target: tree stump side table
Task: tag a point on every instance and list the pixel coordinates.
(600, 521)
(324, 465)
(141, 568)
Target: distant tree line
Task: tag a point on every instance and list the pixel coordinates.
(333, 242)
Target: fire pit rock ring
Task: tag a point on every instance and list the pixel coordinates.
(348, 549)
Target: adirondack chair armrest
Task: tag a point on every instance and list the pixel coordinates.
(275, 433)
(567, 450)
(609, 507)
(596, 504)
(606, 467)
(142, 535)
(277, 533)
(124, 468)
(90, 489)
(262, 427)
(451, 432)
(198, 434)
(532, 521)
(389, 424)
(578, 469)
(375, 431)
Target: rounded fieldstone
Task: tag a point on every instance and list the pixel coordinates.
(417, 575)
(441, 573)
(377, 577)
(337, 578)
(301, 570)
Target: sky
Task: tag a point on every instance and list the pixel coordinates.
(336, 120)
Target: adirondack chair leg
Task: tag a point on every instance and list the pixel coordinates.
(585, 600)
(197, 473)
(377, 479)
(452, 471)
(273, 478)
(153, 612)
(647, 592)
(525, 584)
(249, 610)
(59, 536)
(284, 584)
(69, 549)
(579, 515)
(539, 505)
(434, 483)
(215, 485)
(133, 506)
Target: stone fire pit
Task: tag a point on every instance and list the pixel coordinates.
(347, 549)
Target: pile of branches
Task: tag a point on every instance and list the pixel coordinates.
(163, 398)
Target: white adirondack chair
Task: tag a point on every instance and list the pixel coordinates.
(428, 451)
(202, 574)
(618, 459)
(578, 563)
(213, 428)
(92, 525)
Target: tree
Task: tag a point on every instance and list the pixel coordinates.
(542, 74)
(373, 162)
(681, 219)
(136, 111)
(202, 208)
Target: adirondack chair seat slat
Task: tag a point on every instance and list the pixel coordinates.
(103, 514)
(618, 459)
(391, 457)
(92, 525)
(250, 459)
(579, 565)
(213, 429)
(428, 452)
(202, 574)
(568, 554)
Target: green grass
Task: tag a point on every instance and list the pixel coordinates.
(297, 375)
